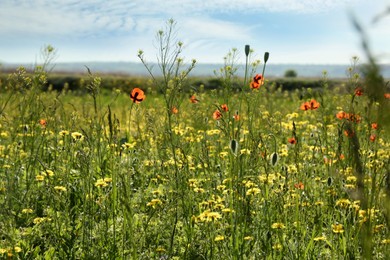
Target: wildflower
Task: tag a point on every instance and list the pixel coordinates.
(219, 238)
(372, 138)
(277, 246)
(193, 99)
(101, 183)
(174, 110)
(224, 107)
(252, 191)
(341, 115)
(64, 133)
(292, 140)
(374, 126)
(154, 202)
(27, 211)
(236, 116)
(77, 136)
(248, 238)
(299, 186)
(353, 118)
(385, 241)
(217, 114)
(60, 188)
(321, 238)
(387, 95)
(278, 226)
(40, 178)
(43, 122)
(338, 228)
(348, 133)
(257, 82)
(343, 203)
(137, 95)
(358, 91)
(310, 105)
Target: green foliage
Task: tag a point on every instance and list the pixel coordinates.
(290, 74)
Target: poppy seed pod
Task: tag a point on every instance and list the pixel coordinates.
(247, 49)
(234, 146)
(266, 56)
(274, 158)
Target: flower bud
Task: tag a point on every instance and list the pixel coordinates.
(247, 49)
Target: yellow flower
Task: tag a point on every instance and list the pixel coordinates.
(60, 188)
(278, 226)
(338, 228)
(247, 238)
(39, 178)
(252, 191)
(321, 238)
(154, 202)
(63, 133)
(385, 241)
(101, 183)
(77, 136)
(343, 203)
(27, 211)
(219, 238)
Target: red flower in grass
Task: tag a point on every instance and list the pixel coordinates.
(193, 99)
(137, 95)
(224, 107)
(348, 133)
(358, 91)
(174, 110)
(387, 95)
(217, 114)
(43, 122)
(341, 115)
(310, 105)
(299, 186)
(374, 126)
(372, 138)
(257, 81)
(292, 140)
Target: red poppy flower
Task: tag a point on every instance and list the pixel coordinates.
(292, 140)
(348, 133)
(224, 107)
(374, 126)
(299, 186)
(353, 118)
(314, 104)
(43, 122)
(217, 114)
(372, 138)
(310, 105)
(137, 95)
(174, 110)
(257, 82)
(341, 115)
(193, 99)
(358, 91)
(387, 95)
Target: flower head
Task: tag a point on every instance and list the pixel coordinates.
(292, 140)
(217, 114)
(358, 91)
(257, 81)
(224, 108)
(193, 99)
(137, 95)
(310, 105)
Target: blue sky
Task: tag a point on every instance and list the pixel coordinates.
(293, 31)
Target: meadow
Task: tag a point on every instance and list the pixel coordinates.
(169, 170)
